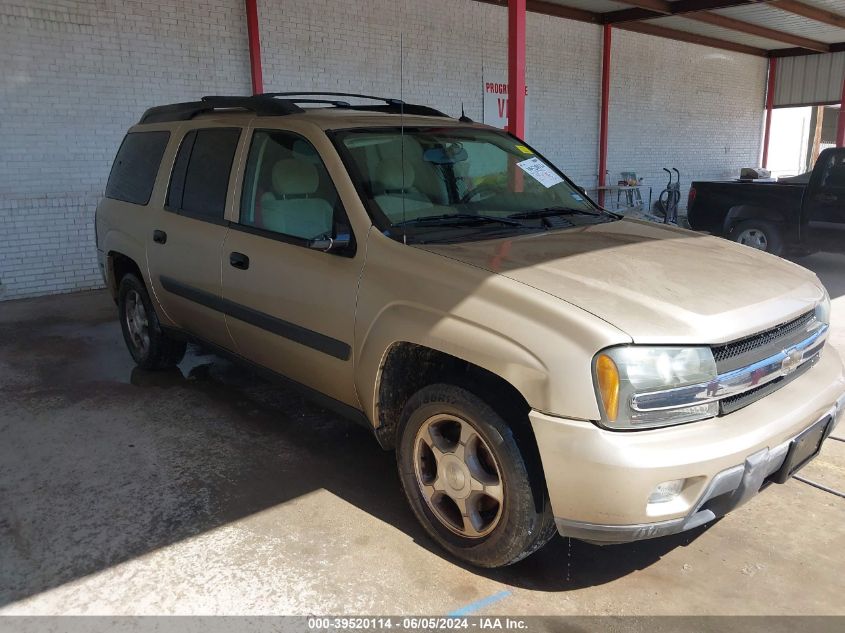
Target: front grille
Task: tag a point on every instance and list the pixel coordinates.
(734, 403)
(726, 352)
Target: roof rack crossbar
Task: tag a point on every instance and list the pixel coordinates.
(390, 100)
(334, 102)
(255, 103)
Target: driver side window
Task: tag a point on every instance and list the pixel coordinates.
(833, 176)
(287, 189)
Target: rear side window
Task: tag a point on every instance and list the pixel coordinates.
(200, 176)
(133, 173)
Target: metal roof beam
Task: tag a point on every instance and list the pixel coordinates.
(694, 38)
(645, 10)
(725, 22)
(657, 6)
(813, 13)
(555, 10)
(798, 52)
(687, 8)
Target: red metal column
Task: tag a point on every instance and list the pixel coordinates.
(516, 67)
(840, 129)
(605, 108)
(254, 46)
(770, 104)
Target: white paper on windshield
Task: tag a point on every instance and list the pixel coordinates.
(540, 172)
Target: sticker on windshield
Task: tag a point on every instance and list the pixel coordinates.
(540, 172)
(576, 196)
(524, 149)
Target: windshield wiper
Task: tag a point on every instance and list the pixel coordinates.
(550, 211)
(459, 219)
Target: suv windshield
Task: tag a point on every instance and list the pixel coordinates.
(457, 184)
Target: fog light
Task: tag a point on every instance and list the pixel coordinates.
(666, 491)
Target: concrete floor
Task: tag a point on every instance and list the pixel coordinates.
(206, 491)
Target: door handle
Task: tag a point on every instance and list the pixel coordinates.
(827, 197)
(239, 260)
(159, 237)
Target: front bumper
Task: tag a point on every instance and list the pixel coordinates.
(599, 481)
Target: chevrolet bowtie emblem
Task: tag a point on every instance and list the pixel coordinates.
(793, 360)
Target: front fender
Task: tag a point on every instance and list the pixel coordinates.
(541, 345)
(449, 334)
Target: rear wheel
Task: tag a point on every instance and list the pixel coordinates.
(149, 345)
(758, 234)
(466, 479)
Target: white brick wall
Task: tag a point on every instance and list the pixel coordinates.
(77, 73)
(449, 46)
(683, 105)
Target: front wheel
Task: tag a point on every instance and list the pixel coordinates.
(467, 480)
(758, 234)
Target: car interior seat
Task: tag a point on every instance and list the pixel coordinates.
(395, 194)
(294, 207)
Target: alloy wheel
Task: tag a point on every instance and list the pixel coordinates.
(755, 238)
(137, 323)
(458, 476)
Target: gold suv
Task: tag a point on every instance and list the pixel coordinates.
(538, 363)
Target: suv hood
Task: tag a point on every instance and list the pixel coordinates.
(658, 284)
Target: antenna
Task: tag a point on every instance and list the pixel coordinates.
(402, 130)
(464, 118)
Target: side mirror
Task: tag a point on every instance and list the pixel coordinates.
(331, 244)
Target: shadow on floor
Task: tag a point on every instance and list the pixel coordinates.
(102, 462)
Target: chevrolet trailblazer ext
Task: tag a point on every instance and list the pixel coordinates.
(537, 363)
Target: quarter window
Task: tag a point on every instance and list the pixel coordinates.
(133, 173)
(200, 177)
(287, 188)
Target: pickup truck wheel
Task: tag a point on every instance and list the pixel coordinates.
(149, 345)
(757, 234)
(466, 479)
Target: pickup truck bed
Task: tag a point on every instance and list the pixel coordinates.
(778, 217)
(715, 206)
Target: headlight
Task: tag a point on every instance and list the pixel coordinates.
(621, 373)
(823, 309)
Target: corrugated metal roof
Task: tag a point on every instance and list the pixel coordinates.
(774, 18)
(808, 74)
(803, 79)
(681, 23)
(830, 5)
(757, 13)
(809, 79)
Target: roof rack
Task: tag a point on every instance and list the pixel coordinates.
(389, 100)
(269, 104)
(391, 105)
(188, 110)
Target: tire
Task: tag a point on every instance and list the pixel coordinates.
(149, 345)
(758, 234)
(501, 523)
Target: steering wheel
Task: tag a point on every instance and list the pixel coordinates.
(487, 191)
